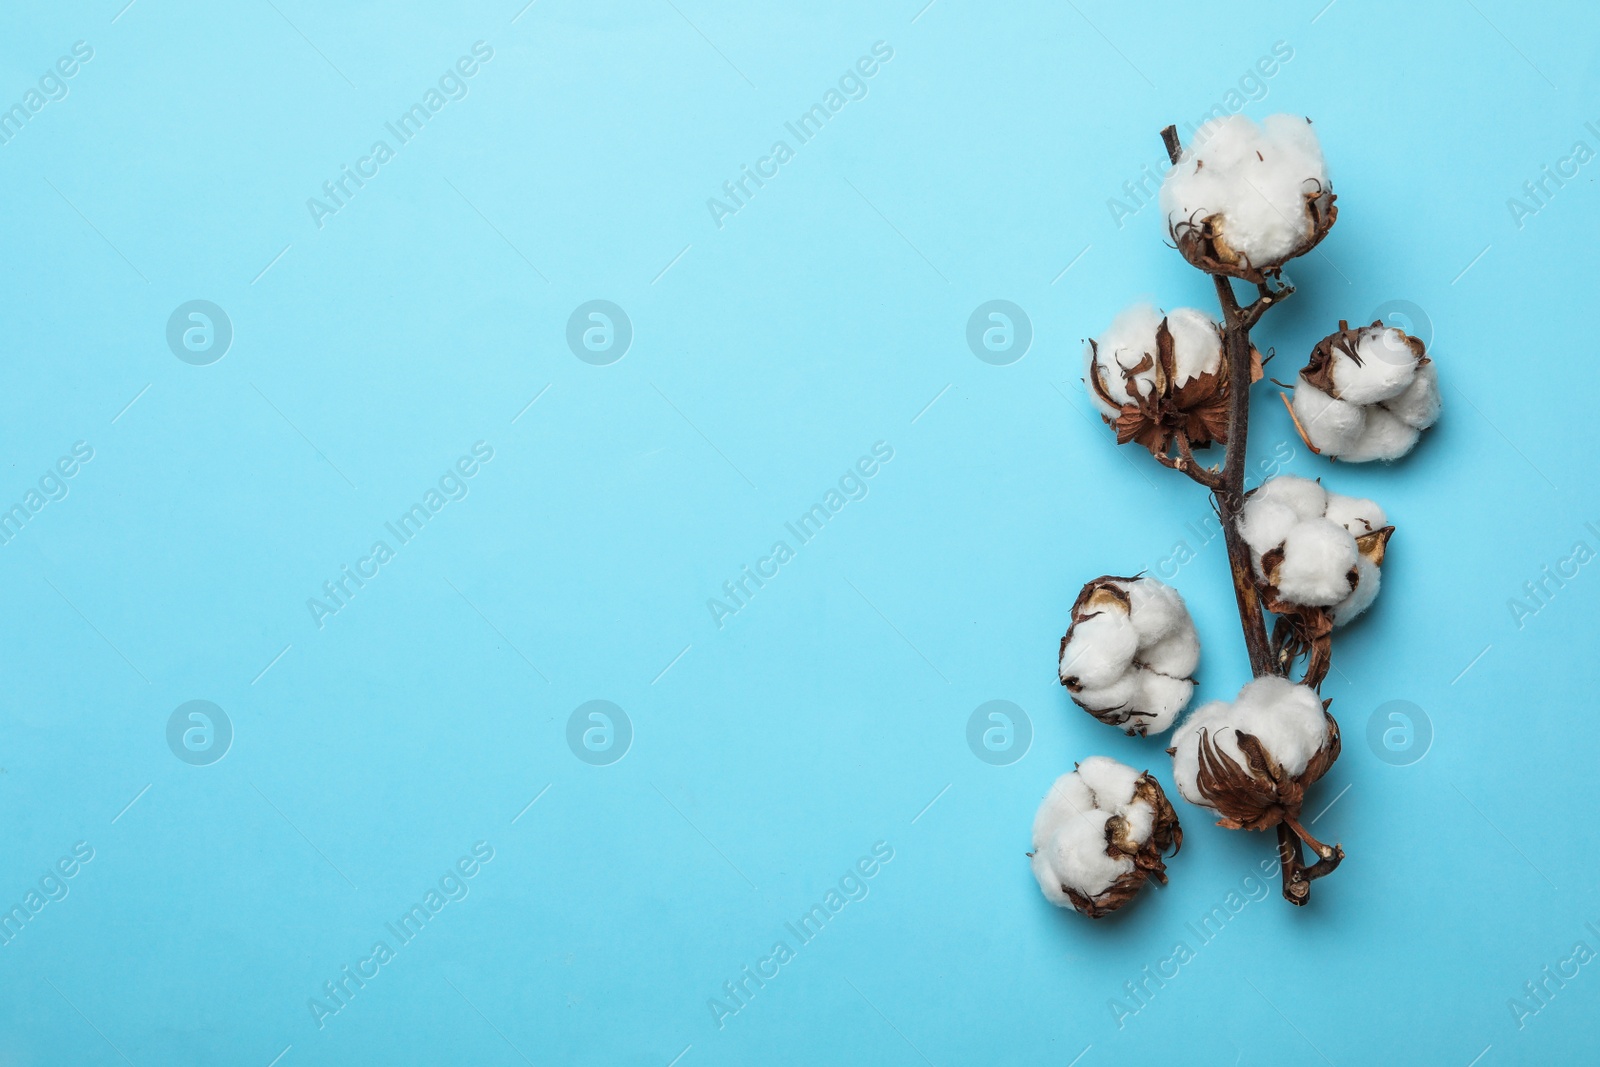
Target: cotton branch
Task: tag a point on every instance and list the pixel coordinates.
(1228, 493)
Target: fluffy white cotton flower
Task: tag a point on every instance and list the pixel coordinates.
(1367, 393)
(1312, 549)
(1129, 656)
(1099, 834)
(1286, 718)
(1154, 376)
(1244, 199)
(1251, 760)
(1124, 358)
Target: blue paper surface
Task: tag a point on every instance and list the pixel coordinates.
(576, 544)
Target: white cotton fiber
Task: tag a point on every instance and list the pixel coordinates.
(1110, 783)
(1196, 344)
(1332, 426)
(1162, 697)
(1302, 495)
(1318, 557)
(1264, 524)
(1124, 344)
(1100, 649)
(1384, 436)
(1122, 694)
(1356, 514)
(1418, 405)
(1076, 857)
(1156, 610)
(1176, 655)
(1368, 581)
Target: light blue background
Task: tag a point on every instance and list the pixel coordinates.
(768, 356)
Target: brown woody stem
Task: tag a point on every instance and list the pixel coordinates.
(1236, 324)
(1296, 886)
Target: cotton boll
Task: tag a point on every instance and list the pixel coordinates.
(1309, 566)
(1099, 834)
(1378, 372)
(1154, 377)
(1242, 198)
(1331, 426)
(1419, 404)
(1294, 733)
(1124, 629)
(1318, 557)
(1384, 367)
(1385, 436)
(1368, 579)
